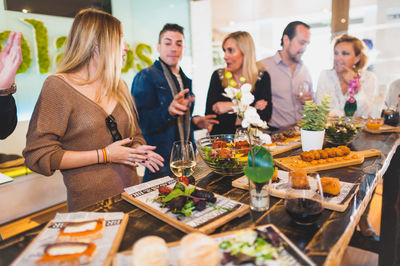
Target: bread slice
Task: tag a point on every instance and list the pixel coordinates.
(199, 249)
(150, 251)
(67, 253)
(82, 231)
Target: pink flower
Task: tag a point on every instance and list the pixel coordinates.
(351, 100)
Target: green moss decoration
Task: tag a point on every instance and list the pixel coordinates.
(42, 44)
(60, 41)
(140, 48)
(26, 51)
(128, 61)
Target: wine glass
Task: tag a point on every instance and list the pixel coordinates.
(304, 199)
(301, 90)
(183, 160)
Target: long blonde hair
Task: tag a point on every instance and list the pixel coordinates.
(245, 43)
(97, 30)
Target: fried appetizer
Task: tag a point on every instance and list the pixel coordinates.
(243, 146)
(316, 154)
(330, 186)
(150, 251)
(82, 231)
(331, 152)
(307, 156)
(323, 154)
(339, 152)
(219, 144)
(345, 149)
(299, 179)
(198, 250)
(67, 253)
(275, 178)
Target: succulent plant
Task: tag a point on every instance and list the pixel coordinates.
(315, 116)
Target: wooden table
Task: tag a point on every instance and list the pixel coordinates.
(323, 242)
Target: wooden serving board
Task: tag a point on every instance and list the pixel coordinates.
(293, 162)
(279, 189)
(107, 246)
(278, 149)
(293, 253)
(206, 221)
(383, 129)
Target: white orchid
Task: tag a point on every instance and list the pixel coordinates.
(265, 138)
(242, 99)
(230, 92)
(247, 98)
(251, 117)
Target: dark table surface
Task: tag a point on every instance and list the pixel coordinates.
(323, 242)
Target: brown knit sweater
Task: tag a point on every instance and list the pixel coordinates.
(64, 119)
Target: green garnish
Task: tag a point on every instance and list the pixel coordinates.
(219, 207)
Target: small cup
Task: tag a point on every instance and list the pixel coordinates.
(374, 123)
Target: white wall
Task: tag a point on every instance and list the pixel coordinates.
(142, 22)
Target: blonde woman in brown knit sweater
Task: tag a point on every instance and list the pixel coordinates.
(84, 120)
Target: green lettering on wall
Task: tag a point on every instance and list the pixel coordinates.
(128, 60)
(41, 44)
(60, 41)
(140, 49)
(26, 51)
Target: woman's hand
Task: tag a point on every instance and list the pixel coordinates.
(222, 107)
(153, 160)
(261, 105)
(125, 155)
(348, 74)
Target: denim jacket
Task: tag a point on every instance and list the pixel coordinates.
(153, 96)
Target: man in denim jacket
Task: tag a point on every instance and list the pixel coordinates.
(164, 99)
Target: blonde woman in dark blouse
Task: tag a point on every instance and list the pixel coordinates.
(240, 58)
(84, 120)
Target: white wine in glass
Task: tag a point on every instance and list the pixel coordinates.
(301, 90)
(183, 160)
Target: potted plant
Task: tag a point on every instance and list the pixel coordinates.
(313, 124)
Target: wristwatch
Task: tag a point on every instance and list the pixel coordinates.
(9, 91)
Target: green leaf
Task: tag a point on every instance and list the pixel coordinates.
(188, 208)
(263, 157)
(174, 194)
(259, 174)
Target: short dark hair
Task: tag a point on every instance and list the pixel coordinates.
(170, 27)
(290, 29)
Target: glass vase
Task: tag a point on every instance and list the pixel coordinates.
(350, 108)
(259, 196)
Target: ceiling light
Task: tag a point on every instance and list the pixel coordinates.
(25, 10)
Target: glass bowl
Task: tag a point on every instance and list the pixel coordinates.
(223, 153)
(374, 123)
(343, 132)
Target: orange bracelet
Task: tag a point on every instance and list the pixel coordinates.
(104, 155)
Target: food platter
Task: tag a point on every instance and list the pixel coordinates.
(107, 245)
(383, 129)
(354, 158)
(278, 189)
(290, 251)
(281, 147)
(206, 221)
